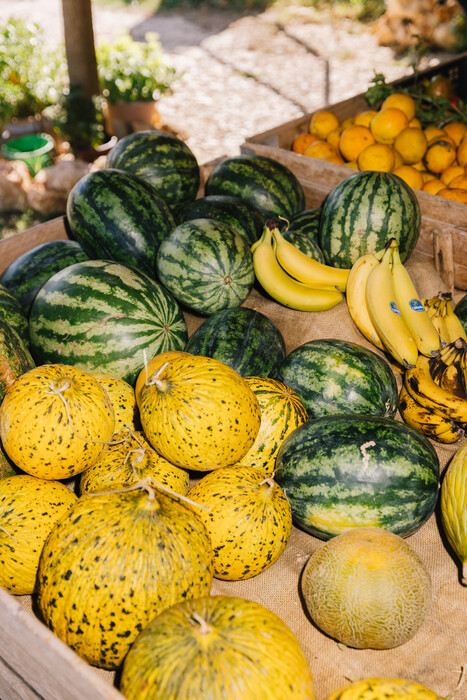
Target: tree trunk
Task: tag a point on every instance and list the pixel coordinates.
(79, 46)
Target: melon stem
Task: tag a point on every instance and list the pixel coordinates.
(269, 481)
(155, 378)
(204, 628)
(8, 534)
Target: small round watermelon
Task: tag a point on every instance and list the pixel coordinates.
(304, 243)
(243, 338)
(268, 184)
(307, 221)
(337, 376)
(206, 265)
(362, 212)
(163, 160)
(12, 313)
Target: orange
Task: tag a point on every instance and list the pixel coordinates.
(432, 131)
(459, 182)
(415, 122)
(397, 159)
(376, 156)
(334, 136)
(353, 140)
(456, 130)
(323, 122)
(456, 194)
(401, 101)
(439, 156)
(364, 118)
(335, 159)
(348, 121)
(387, 123)
(320, 149)
(462, 153)
(445, 138)
(420, 165)
(433, 186)
(303, 141)
(451, 172)
(427, 175)
(411, 143)
(352, 164)
(410, 175)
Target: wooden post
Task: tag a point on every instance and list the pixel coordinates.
(79, 46)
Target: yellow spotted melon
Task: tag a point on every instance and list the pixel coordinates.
(151, 367)
(122, 397)
(367, 588)
(217, 647)
(454, 507)
(55, 421)
(114, 562)
(130, 461)
(199, 413)
(282, 411)
(384, 689)
(29, 509)
(249, 520)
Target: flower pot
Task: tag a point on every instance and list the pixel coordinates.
(34, 149)
(123, 118)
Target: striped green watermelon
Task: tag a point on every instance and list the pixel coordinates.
(243, 338)
(362, 212)
(163, 160)
(206, 265)
(15, 358)
(336, 376)
(115, 215)
(341, 472)
(101, 316)
(268, 184)
(307, 221)
(303, 242)
(26, 275)
(241, 215)
(461, 311)
(12, 312)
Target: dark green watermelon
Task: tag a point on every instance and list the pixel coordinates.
(362, 212)
(163, 160)
(307, 221)
(304, 243)
(337, 376)
(26, 275)
(268, 184)
(206, 265)
(15, 358)
(460, 310)
(12, 312)
(241, 215)
(99, 315)
(115, 215)
(243, 338)
(341, 472)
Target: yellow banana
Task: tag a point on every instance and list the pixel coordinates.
(303, 268)
(422, 387)
(385, 315)
(355, 296)
(453, 380)
(426, 421)
(452, 323)
(281, 286)
(412, 310)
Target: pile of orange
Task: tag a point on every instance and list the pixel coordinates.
(391, 139)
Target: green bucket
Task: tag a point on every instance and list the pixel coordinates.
(33, 149)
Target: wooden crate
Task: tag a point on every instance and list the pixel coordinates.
(444, 223)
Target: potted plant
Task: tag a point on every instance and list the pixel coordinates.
(133, 75)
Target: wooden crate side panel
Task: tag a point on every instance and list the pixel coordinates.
(38, 662)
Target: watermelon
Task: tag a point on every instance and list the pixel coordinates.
(303, 242)
(348, 471)
(307, 221)
(241, 215)
(26, 275)
(206, 265)
(362, 212)
(268, 184)
(243, 338)
(15, 358)
(461, 311)
(101, 316)
(118, 216)
(12, 312)
(337, 376)
(163, 160)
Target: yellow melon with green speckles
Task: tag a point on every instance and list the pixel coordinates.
(29, 509)
(454, 507)
(248, 518)
(199, 413)
(217, 647)
(282, 411)
(55, 421)
(384, 689)
(122, 397)
(130, 461)
(115, 562)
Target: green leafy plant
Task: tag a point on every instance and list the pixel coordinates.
(134, 70)
(31, 78)
(78, 119)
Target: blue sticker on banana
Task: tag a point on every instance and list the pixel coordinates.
(416, 305)
(395, 308)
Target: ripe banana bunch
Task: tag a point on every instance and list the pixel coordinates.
(434, 396)
(385, 307)
(291, 277)
(441, 311)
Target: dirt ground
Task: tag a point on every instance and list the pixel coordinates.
(241, 75)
